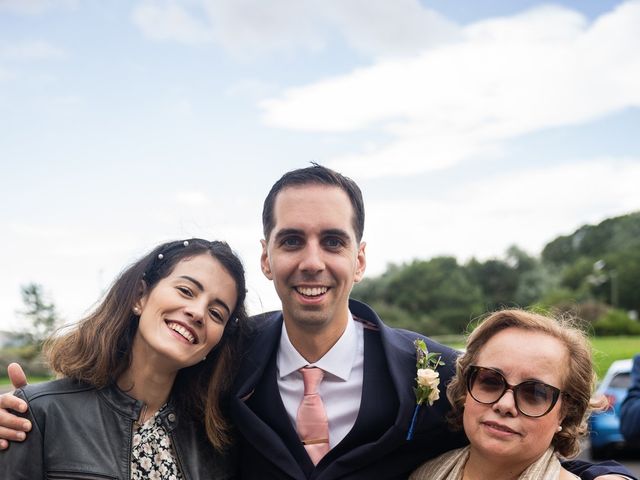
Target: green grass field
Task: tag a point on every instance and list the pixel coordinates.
(608, 349)
(5, 380)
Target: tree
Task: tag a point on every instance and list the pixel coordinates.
(434, 296)
(42, 320)
(497, 279)
(41, 314)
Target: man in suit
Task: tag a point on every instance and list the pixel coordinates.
(313, 220)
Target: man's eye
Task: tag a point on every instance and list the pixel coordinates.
(291, 242)
(333, 242)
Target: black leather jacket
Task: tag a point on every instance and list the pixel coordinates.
(80, 432)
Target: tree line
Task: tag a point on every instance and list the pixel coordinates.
(593, 273)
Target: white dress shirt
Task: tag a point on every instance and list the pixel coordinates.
(341, 387)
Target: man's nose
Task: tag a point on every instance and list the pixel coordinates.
(313, 259)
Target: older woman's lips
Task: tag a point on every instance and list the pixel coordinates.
(499, 427)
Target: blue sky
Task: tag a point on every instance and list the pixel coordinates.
(470, 126)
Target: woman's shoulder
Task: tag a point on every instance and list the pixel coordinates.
(43, 390)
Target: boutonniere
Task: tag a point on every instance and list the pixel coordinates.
(427, 379)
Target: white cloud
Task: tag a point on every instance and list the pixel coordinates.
(382, 28)
(35, 7)
(528, 208)
(31, 50)
(171, 21)
(246, 27)
(251, 26)
(510, 76)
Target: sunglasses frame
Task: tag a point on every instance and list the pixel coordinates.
(472, 371)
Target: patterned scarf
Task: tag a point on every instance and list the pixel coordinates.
(450, 466)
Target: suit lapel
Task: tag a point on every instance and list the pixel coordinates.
(400, 359)
(256, 406)
(390, 370)
(378, 409)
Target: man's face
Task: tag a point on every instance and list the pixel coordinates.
(313, 257)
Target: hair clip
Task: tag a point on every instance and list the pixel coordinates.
(185, 243)
(160, 256)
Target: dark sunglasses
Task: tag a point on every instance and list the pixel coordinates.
(532, 398)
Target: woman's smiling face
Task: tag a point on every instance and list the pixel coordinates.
(499, 431)
(183, 317)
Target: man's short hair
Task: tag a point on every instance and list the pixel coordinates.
(315, 175)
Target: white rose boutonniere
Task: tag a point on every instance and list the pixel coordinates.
(427, 379)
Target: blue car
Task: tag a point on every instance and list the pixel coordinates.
(604, 427)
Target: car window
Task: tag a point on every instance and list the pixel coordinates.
(621, 380)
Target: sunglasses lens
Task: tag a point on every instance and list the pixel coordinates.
(534, 398)
(486, 386)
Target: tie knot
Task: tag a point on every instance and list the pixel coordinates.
(311, 376)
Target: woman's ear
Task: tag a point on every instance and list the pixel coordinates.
(138, 306)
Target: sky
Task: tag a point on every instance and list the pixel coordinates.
(470, 126)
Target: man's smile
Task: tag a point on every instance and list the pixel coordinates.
(311, 291)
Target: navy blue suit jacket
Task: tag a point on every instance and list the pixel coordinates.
(376, 447)
(630, 409)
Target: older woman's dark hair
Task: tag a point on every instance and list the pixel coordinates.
(97, 350)
(577, 386)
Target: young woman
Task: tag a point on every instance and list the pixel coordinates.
(522, 393)
(140, 374)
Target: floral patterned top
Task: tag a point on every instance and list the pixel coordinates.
(152, 456)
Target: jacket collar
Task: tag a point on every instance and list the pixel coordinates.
(400, 357)
(121, 402)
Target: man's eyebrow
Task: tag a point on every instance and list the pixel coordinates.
(336, 232)
(288, 231)
(201, 288)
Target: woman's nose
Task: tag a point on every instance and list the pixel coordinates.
(195, 312)
(506, 405)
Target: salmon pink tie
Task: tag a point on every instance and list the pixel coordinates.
(312, 422)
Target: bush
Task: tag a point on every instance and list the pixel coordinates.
(616, 322)
(397, 317)
(31, 362)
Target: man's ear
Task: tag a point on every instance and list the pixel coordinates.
(361, 262)
(265, 263)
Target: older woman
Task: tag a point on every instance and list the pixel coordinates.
(522, 393)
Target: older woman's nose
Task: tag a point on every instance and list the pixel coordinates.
(506, 405)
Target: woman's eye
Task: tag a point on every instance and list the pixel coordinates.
(185, 291)
(216, 315)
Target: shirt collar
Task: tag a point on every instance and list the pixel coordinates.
(338, 361)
